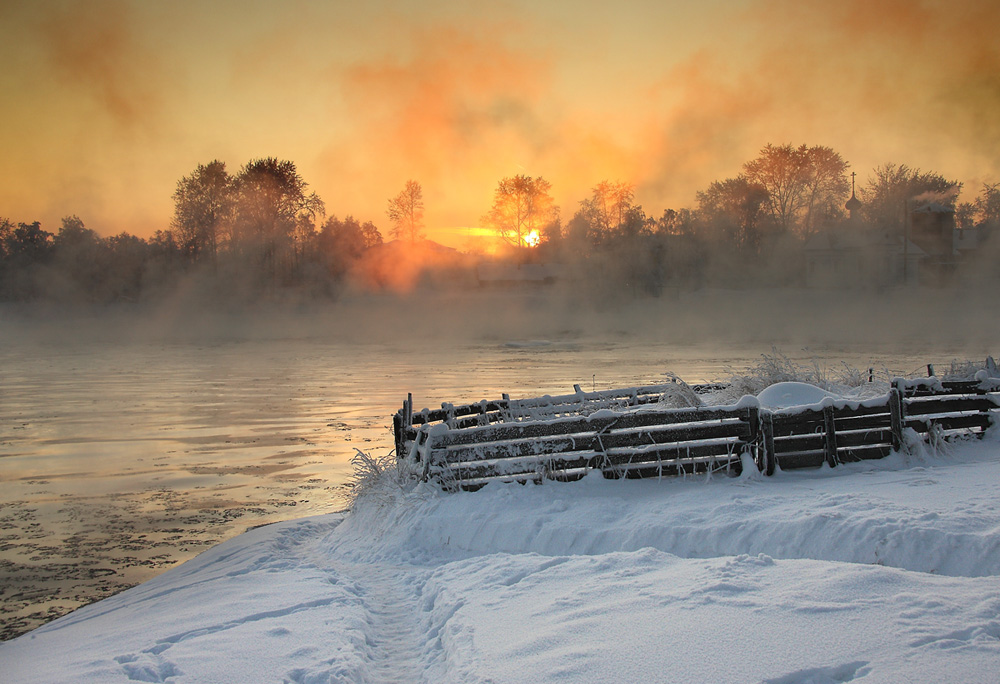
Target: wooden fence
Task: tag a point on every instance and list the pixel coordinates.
(624, 433)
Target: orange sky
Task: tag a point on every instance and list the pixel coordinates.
(107, 103)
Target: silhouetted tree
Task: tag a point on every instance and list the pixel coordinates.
(522, 208)
(343, 242)
(28, 243)
(203, 202)
(674, 222)
(271, 199)
(893, 189)
(825, 189)
(127, 264)
(79, 257)
(6, 230)
(736, 207)
(163, 245)
(803, 184)
(26, 248)
(607, 208)
(406, 211)
(987, 206)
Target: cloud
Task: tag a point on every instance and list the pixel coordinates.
(892, 80)
(92, 45)
(452, 95)
(455, 107)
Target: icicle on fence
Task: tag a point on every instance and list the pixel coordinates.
(623, 433)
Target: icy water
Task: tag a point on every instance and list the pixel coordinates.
(119, 459)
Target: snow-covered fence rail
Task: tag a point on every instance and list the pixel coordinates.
(641, 440)
(406, 422)
(832, 432)
(932, 405)
(840, 432)
(639, 443)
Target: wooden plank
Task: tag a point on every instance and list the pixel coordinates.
(667, 435)
(929, 388)
(732, 466)
(863, 453)
(812, 420)
(808, 442)
(499, 466)
(515, 449)
(512, 467)
(442, 414)
(567, 426)
(863, 438)
(870, 422)
(982, 421)
(843, 412)
(693, 453)
(950, 405)
(817, 441)
(479, 483)
(805, 423)
(801, 459)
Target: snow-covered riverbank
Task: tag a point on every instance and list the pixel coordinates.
(884, 571)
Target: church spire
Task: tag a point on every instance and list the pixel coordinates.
(854, 203)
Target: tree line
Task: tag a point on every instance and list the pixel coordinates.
(755, 227)
(261, 230)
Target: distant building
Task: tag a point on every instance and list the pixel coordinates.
(854, 258)
(853, 205)
(928, 253)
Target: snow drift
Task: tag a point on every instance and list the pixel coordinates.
(882, 571)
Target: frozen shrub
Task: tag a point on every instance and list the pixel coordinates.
(374, 477)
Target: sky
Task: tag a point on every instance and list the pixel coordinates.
(108, 103)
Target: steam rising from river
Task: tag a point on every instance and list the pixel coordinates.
(895, 321)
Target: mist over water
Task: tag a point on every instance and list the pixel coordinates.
(132, 439)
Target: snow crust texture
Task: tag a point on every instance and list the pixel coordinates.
(884, 571)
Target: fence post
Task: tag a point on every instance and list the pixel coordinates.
(397, 432)
(830, 425)
(896, 417)
(767, 443)
(753, 436)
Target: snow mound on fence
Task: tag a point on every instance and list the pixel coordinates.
(789, 394)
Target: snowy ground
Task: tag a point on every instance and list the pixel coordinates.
(885, 571)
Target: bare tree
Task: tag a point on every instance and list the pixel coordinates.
(522, 209)
(609, 205)
(803, 184)
(892, 187)
(826, 187)
(406, 211)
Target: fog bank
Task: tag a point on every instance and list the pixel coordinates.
(938, 320)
